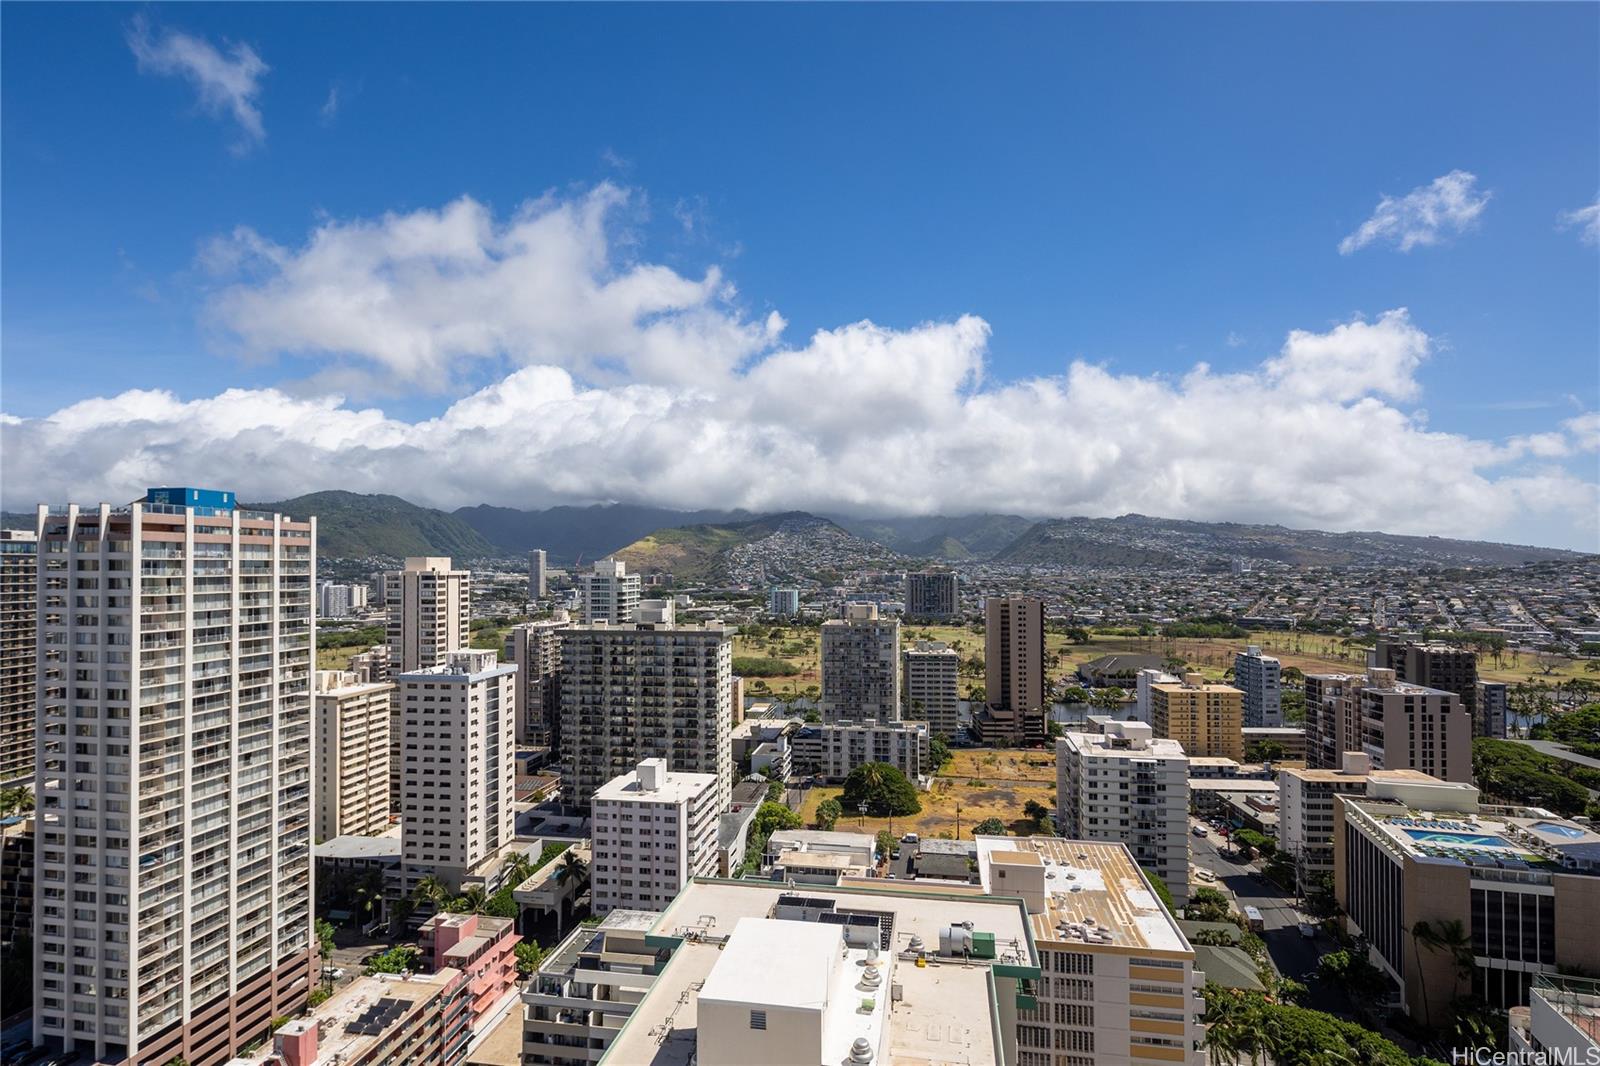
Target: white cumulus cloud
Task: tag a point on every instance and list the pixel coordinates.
(1448, 204)
(412, 298)
(228, 83)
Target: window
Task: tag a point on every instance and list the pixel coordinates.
(758, 1019)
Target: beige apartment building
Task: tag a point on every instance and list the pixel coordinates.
(1207, 719)
(861, 666)
(353, 721)
(176, 649)
(429, 608)
(642, 690)
(19, 602)
(608, 593)
(458, 773)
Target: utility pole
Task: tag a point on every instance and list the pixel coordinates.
(958, 819)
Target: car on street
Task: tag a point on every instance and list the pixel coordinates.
(1308, 930)
(1200, 831)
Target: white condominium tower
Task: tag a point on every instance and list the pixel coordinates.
(352, 754)
(1127, 785)
(176, 647)
(861, 666)
(430, 616)
(608, 593)
(647, 689)
(538, 573)
(1259, 677)
(654, 829)
(459, 771)
(929, 686)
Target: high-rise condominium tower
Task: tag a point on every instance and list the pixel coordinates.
(536, 649)
(648, 689)
(352, 754)
(1206, 719)
(1260, 678)
(861, 666)
(19, 602)
(537, 562)
(459, 775)
(1014, 665)
(430, 615)
(932, 594)
(929, 680)
(176, 647)
(609, 593)
(1437, 666)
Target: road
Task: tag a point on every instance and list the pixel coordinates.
(1292, 954)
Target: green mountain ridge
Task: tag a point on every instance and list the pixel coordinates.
(352, 525)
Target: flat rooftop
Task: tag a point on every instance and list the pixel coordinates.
(943, 1016)
(386, 994)
(1402, 775)
(1089, 883)
(1508, 838)
(385, 846)
(677, 786)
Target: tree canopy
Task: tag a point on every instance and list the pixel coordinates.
(883, 788)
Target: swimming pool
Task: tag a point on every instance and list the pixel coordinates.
(1460, 840)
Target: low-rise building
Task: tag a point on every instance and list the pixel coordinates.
(587, 989)
(1291, 740)
(479, 947)
(652, 831)
(832, 751)
(817, 856)
(379, 1020)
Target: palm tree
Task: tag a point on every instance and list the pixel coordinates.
(433, 889)
(573, 867)
(1448, 936)
(472, 900)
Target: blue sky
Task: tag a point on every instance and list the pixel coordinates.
(1137, 188)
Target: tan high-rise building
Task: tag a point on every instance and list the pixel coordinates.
(861, 666)
(459, 772)
(1016, 693)
(1208, 720)
(1399, 726)
(176, 647)
(19, 601)
(352, 755)
(933, 594)
(430, 616)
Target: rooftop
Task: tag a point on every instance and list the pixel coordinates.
(674, 786)
(1088, 884)
(364, 1013)
(1402, 775)
(386, 846)
(942, 1017)
(1507, 838)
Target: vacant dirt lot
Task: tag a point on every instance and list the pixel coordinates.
(978, 784)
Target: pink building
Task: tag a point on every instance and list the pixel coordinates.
(482, 948)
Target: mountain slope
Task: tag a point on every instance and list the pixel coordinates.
(941, 536)
(570, 533)
(352, 525)
(1140, 541)
(776, 547)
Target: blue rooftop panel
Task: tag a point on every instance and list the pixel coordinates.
(216, 499)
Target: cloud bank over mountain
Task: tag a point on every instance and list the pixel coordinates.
(620, 379)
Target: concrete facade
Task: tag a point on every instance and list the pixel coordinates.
(609, 594)
(19, 604)
(458, 775)
(1206, 719)
(930, 675)
(933, 594)
(653, 829)
(535, 648)
(353, 730)
(176, 648)
(1260, 678)
(861, 666)
(1014, 679)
